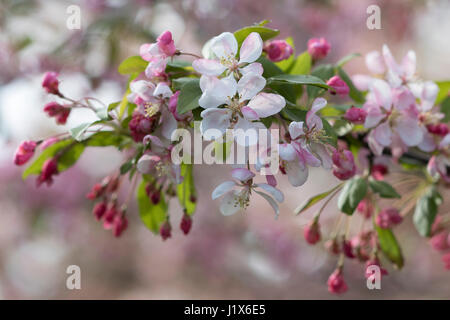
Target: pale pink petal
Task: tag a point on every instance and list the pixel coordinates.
(249, 85)
(214, 118)
(382, 93)
(287, 152)
(208, 67)
(267, 104)
(249, 113)
(428, 95)
(445, 142)
(274, 192)
(323, 154)
(242, 174)
(155, 67)
(390, 61)
(374, 114)
(163, 90)
(375, 63)
(229, 204)
(224, 45)
(403, 98)
(216, 91)
(361, 81)
(427, 144)
(254, 67)
(409, 65)
(376, 148)
(147, 162)
(409, 131)
(383, 134)
(222, 188)
(246, 132)
(296, 175)
(169, 123)
(318, 104)
(251, 48)
(296, 129)
(272, 202)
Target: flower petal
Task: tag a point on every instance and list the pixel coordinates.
(242, 174)
(208, 67)
(409, 131)
(274, 192)
(249, 113)
(382, 93)
(216, 91)
(287, 152)
(250, 135)
(383, 134)
(296, 175)
(214, 118)
(409, 65)
(249, 85)
(267, 104)
(296, 129)
(147, 162)
(228, 205)
(361, 81)
(224, 45)
(254, 67)
(272, 202)
(251, 48)
(375, 63)
(222, 188)
(169, 123)
(163, 90)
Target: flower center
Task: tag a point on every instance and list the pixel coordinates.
(151, 109)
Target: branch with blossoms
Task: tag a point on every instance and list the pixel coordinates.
(387, 131)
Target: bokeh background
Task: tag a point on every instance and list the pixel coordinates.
(249, 255)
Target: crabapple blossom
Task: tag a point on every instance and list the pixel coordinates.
(388, 218)
(278, 50)
(61, 113)
(186, 223)
(224, 48)
(50, 82)
(305, 147)
(312, 232)
(336, 282)
(49, 169)
(24, 152)
(338, 86)
(237, 192)
(343, 164)
(157, 54)
(318, 48)
(355, 115)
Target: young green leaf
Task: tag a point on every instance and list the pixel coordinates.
(78, 132)
(324, 72)
(384, 189)
(445, 109)
(299, 79)
(186, 189)
(389, 246)
(104, 139)
(315, 199)
(351, 195)
(302, 64)
(264, 32)
(134, 64)
(152, 215)
(426, 211)
(190, 93)
(444, 91)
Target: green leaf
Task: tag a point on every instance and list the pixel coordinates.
(270, 68)
(346, 59)
(384, 189)
(190, 93)
(104, 139)
(426, 211)
(302, 64)
(126, 167)
(178, 66)
(445, 109)
(342, 127)
(331, 136)
(78, 132)
(315, 199)
(66, 159)
(186, 189)
(134, 64)
(152, 215)
(103, 114)
(293, 114)
(113, 105)
(351, 195)
(389, 246)
(264, 32)
(444, 91)
(299, 79)
(354, 93)
(324, 72)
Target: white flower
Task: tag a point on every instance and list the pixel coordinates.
(237, 194)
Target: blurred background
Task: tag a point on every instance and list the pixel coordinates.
(245, 256)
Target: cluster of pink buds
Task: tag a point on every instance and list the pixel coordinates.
(355, 115)
(344, 164)
(141, 125)
(106, 209)
(278, 50)
(440, 240)
(59, 112)
(387, 218)
(24, 152)
(50, 82)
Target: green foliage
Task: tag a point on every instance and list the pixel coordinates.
(186, 189)
(445, 109)
(389, 246)
(190, 93)
(298, 79)
(354, 93)
(302, 65)
(315, 199)
(384, 189)
(105, 139)
(444, 91)
(324, 72)
(426, 210)
(351, 195)
(264, 32)
(152, 215)
(134, 64)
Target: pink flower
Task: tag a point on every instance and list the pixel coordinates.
(439, 241)
(166, 230)
(278, 50)
(24, 152)
(365, 207)
(375, 262)
(344, 164)
(120, 224)
(140, 126)
(336, 282)
(338, 86)
(49, 169)
(186, 224)
(388, 217)
(54, 109)
(166, 43)
(378, 171)
(318, 48)
(50, 82)
(355, 115)
(99, 210)
(312, 232)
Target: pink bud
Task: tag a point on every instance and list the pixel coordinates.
(378, 171)
(140, 126)
(318, 48)
(278, 50)
(99, 210)
(374, 262)
(97, 191)
(439, 241)
(446, 260)
(347, 249)
(120, 224)
(186, 223)
(365, 207)
(49, 169)
(173, 101)
(54, 109)
(50, 82)
(355, 115)
(110, 215)
(338, 86)
(336, 282)
(439, 129)
(344, 164)
(388, 217)
(312, 232)
(24, 152)
(166, 44)
(166, 230)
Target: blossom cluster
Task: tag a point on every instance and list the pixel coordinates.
(359, 128)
